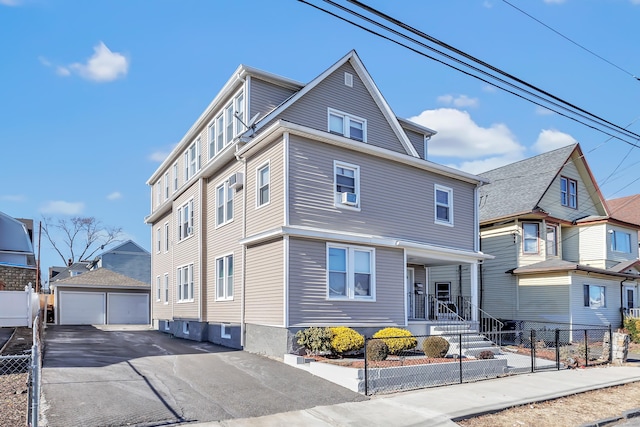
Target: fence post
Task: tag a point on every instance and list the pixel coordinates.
(557, 349)
(35, 374)
(610, 344)
(533, 350)
(366, 368)
(460, 355)
(586, 348)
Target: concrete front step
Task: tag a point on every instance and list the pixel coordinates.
(471, 345)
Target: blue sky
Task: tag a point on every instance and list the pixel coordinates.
(94, 93)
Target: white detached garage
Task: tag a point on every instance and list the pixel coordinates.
(100, 297)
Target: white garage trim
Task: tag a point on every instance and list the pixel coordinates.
(127, 308)
(82, 308)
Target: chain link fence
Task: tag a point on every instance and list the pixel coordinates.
(452, 358)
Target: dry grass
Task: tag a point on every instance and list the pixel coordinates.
(14, 387)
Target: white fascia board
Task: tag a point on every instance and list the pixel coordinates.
(416, 127)
(282, 126)
(442, 253)
(319, 234)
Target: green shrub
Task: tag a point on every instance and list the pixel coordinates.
(397, 339)
(435, 346)
(632, 325)
(344, 340)
(377, 350)
(315, 340)
(486, 354)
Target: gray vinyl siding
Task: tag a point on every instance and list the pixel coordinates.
(498, 293)
(595, 316)
(264, 301)
(271, 215)
(550, 202)
(311, 109)
(417, 140)
(265, 96)
(396, 200)
(308, 303)
(222, 241)
(544, 297)
(457, 275)
(186, 252)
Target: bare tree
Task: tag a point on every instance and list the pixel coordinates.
(79, 238)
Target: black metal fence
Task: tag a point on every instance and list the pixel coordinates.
(426, 361)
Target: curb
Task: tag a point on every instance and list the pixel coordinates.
(632, 413)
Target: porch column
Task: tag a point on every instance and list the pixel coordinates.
(473, 273)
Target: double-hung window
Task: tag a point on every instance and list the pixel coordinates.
(166, 288)
(185, 220)
(192, 160)
(569, 192)
(530, 240)
(185, 283)
(443, 199)
(594, 296)
(224, 277)
(226, 125)
(263, 185)
(346, 185)
(158, 289)
(158, 193)
(350, 272)
(552, 240)
(166, 185)
(224, 204)
(166, 237)
(228, 122)
(620, 241)
(347, 125)
(239, 113)
(175, 177)
(158, 239)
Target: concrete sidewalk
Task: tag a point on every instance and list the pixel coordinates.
(438, 406)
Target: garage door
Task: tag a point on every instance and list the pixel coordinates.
(128, 309)
(82, 308)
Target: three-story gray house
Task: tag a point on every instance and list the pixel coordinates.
(289, 205)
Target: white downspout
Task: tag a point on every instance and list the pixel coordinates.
(243, 285)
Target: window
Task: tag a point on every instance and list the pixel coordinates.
(192, 160)
(569, 192)
(166, 185)
(594, 296)
(350, 272)
(530, 240)
(263, 180)
(224, 277)
(158, 193)
(552, 240)
(219, 133)
(226, 125)
(443, 205)
(166, 288)
(224, 204)
(620, 241)
(185, 283)
(239, 113)
(175, 177)
(158, 289)
(185, 220)
(158, 240)
(228, 121)
(347, 125)
(166, 237)
(347, 185)
(225, 331)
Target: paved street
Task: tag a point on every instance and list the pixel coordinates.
(123, 376)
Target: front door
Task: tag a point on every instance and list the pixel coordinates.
(446, 309)
(629, 299)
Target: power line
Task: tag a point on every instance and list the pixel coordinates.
(531, 91)
(571, 41)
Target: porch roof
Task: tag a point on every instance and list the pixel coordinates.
(557, 265)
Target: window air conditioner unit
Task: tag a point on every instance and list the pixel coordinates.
(350, 199)
(236, 181)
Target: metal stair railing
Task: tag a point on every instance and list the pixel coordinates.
(490, 327)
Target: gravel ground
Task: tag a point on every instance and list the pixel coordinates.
(13, 381)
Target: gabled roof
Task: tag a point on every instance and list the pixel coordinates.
(13, 235)
(517, 188)
(353, 58)
(128, 246)
(101, 277)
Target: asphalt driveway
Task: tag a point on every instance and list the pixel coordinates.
(126, 376)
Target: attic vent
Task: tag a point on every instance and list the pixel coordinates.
(348, 79)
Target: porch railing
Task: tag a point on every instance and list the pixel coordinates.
(632, 312)
(490, 327)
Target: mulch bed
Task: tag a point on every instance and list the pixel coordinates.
(357, 361)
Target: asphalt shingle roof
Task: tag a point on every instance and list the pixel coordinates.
(518, 187)
(102, 277)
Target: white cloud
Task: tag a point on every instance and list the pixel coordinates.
(542, 111)
(487, 4)
(554, 1)
(489, 88)
(458, 101)
(635, 1)
(13, 198)
(61, 207)
(103, 66)
(549, 139)
(115, 195)
(483, 165)
(9, 2)
(159, 156)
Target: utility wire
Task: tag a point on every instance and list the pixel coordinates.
(571, 41)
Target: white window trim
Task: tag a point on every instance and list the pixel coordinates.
(346, 128)
(613, 244)
(175, 177)
(524, 251)
(556, 240)
(604, 295)
(337, 196)
(158, 240)
(167, 231)
(449, 190)
(267, 164)
(190, 220)
(224, 332)
(166, 288)
(225, 283)
(158, 289)
(187, 161)
(351, 272)
(190, 286)
(225, 221)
